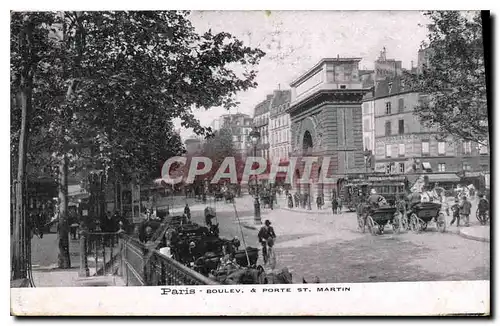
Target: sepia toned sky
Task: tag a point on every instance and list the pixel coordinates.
(295, 40)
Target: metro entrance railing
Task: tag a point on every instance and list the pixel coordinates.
(135, 262)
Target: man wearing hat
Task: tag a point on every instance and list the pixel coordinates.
(266, 238)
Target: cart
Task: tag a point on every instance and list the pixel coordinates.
(421, 214)
(375, 219)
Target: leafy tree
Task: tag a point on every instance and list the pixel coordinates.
(453, 83)
(111, 83)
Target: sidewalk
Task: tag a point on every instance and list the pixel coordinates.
(476, 232)
(47, 274)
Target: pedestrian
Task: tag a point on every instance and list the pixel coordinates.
(334, 205)
(465, 208)
(187, 212)
(290, 200)
(339, 205)
(318, 202)
(483, 207)
(455, 209)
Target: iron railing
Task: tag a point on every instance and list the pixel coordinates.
(102, 253)
(143, 266)
(137, 263)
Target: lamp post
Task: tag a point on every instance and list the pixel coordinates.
(255, 137)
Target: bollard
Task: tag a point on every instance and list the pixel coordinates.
(84, 266)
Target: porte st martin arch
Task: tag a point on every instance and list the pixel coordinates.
(326, 118)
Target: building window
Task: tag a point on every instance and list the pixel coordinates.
(484, 167)
(366, 125)
(401, 105)
(425, 147)
(388, 151)
(441, 167)
(483, 149)
(441, 148)
(366, 108)
(401, 127)
(466, 166)
(387, 107)
(401, 168)
(401, 150)
(387, 128)
(467, 146)
(367, 143)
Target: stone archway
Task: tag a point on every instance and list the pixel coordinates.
(307, 143)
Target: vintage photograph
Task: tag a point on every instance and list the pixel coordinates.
(180, 149)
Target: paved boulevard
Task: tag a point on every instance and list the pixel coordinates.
(329, 247)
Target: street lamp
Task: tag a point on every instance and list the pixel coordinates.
(255, 137)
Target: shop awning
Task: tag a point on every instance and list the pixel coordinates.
(443, 177)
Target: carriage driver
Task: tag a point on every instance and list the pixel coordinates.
(375, 200)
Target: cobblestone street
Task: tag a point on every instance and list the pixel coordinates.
(330, 247)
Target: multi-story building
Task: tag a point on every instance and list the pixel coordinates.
(279, 125)
(387, 68)
(369, 120)
(261, 123)
(404, 145)
(193, 145)
(240, 125)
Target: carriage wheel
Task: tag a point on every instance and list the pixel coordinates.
(414, 223)
(371, 225)
(482, 219)
(361, 224)
(441, 223)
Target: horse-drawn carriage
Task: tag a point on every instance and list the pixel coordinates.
(423, 213)
(377, 218)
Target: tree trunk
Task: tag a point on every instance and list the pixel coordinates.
(20, 225)
(63, 229)
(19, 249)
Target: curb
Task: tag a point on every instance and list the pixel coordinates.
(316, 212)
(472, 237)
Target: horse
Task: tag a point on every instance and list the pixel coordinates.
(283, 277)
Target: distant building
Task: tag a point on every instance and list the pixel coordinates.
(279, 125)
(193, 145)
(387, 68)
(261, 122)
(367, 78)
(240, 125)
(423, 59)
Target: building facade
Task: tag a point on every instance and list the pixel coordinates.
(261, 123)
(369, 121)
(387, 68)
(326, 117)
(404, 145)
(193, 145)
(279, 125)
(240, 125)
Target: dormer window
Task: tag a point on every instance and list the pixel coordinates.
(390, 87)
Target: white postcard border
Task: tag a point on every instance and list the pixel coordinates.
(368, 299)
